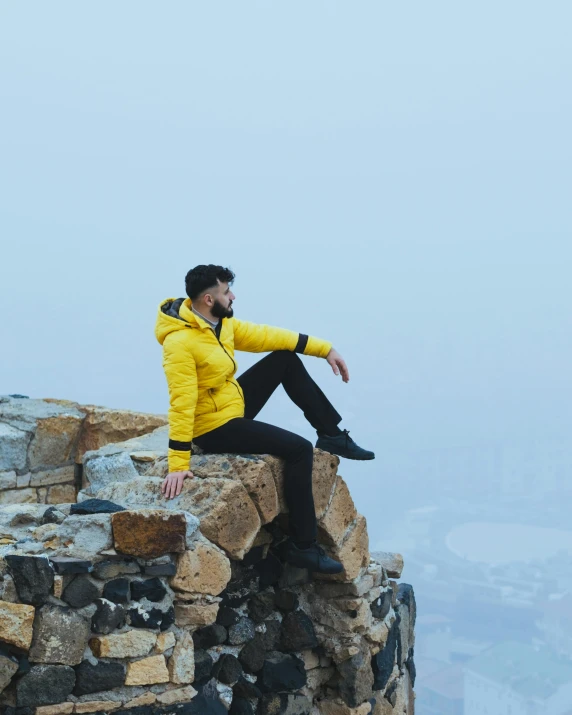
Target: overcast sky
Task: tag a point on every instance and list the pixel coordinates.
(393, 177)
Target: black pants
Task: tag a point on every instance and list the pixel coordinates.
(245, 435)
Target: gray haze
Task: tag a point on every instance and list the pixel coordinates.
(393, 177)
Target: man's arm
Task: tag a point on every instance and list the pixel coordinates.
(256, 338)
(180, 370)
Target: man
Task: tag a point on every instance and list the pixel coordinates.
(210, 407)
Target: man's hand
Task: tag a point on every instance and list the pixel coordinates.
(173, 483)
(338, 364)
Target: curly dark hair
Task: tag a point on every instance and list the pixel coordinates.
(200, 278)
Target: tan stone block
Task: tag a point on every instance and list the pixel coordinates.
(337, 707)
(59, 709)
(195, 614)
(148, 533)
(131, 644)
(180, 695)
(58, 475)
(46, 531)
(104, 425)
(23, 480)
(353, 552)
(323, 479)
(311, 659)
(339, 515)
(61, 494)
(164, 642)
(8, 588)
(42, 493)
(257, 478)
(383, 706)
(391, 562)
(360, 585)
(58, 586)
(202, 569)
(227, 515)
(8, 480)
(145, 699)
(181, 664)
(93, 706)
(8, 669)
(54, 439)
(16, 621)
(147, 671)
(18, 496)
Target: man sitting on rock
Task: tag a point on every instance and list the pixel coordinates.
(210, 407)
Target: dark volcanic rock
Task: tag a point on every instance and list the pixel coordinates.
(95, 678)
(281, 672)
(168, 618)
(45, 685)
(95, 506)
(241, 706)
(140, 618)
(209, 636)
(297, 632)
(117, 590)
(52, 515)
(227, 616)
(271, 638)
(203, 666)
(286, 600)
(167, 569)
(284, 704)
(202, 705)
(269, 571)
(153, 589)
(243, 582)
(261, 606)
(382, 662)
(227, 669)
(115, 567)
(252, 655)
(241, 632)
(80, 592)
(245, 689)
(107, 617)
(33, 577)
(64, 565)
(380, 607)
(356, 678)
(60, 635)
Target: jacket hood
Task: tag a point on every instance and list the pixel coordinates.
(174, 314)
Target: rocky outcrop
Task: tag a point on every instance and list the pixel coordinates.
(124, 602)
(42, 444)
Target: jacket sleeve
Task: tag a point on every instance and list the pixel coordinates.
(180, 370)
(255, 338)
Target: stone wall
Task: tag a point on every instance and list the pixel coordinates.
(126, 603)
(42, 444)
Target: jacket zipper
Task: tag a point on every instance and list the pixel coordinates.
(233, 364)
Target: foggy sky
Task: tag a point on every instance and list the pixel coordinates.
(395, 178)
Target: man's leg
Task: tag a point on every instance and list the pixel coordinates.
(285, 368)
(246, 436)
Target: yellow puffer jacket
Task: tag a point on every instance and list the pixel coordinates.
(200, 369)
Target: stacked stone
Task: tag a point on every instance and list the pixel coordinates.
(120, 603)
(42, 443)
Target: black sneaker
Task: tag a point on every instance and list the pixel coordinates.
(314, 558)
(344, 446)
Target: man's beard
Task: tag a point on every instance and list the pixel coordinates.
(219, 311)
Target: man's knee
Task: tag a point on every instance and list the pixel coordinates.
(303, 449)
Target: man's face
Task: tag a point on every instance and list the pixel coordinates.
(222, 298)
